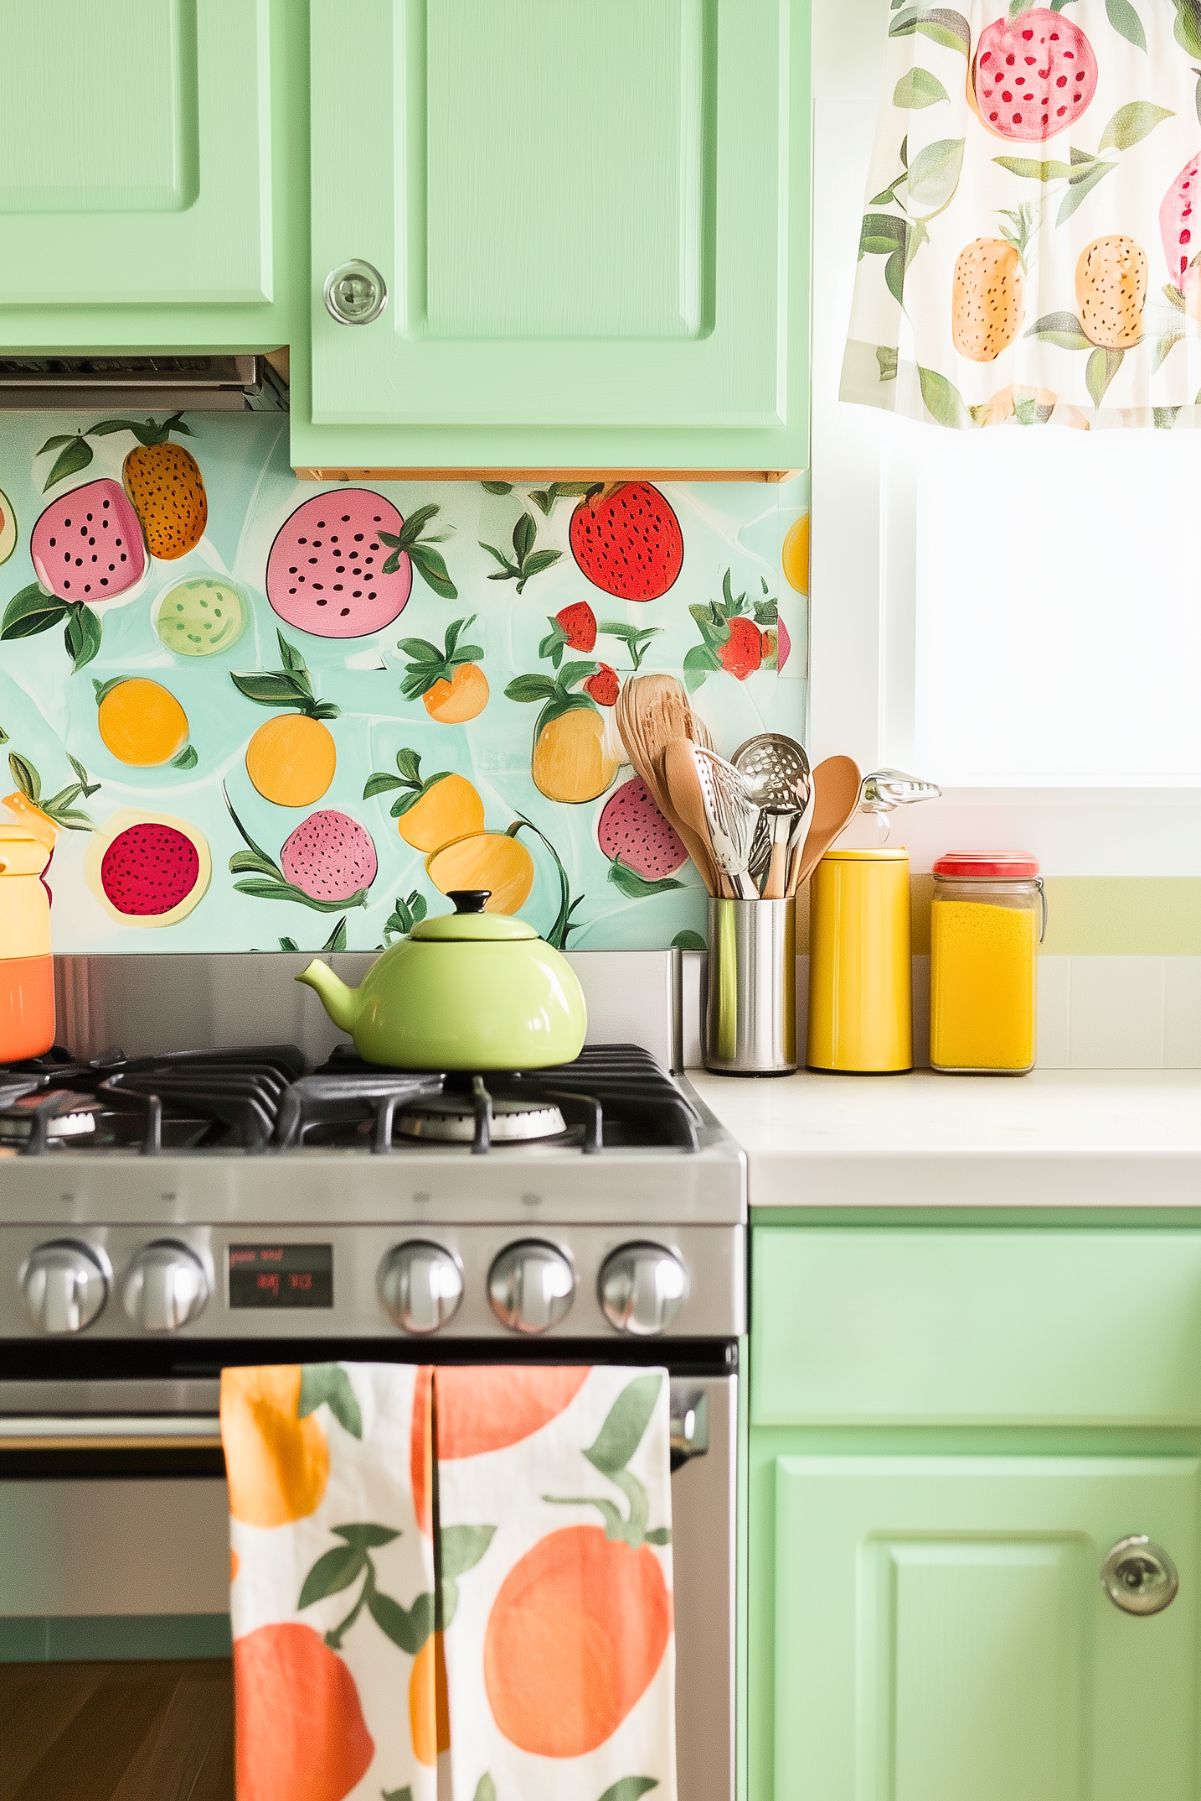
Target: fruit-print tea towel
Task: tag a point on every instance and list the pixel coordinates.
(490, 1623)
(1031, 247)
(332, 1590)
(554, 1485)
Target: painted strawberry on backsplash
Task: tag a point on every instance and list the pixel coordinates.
(162, 479)
(572, 628)
(737, 635)
(603, 686)
(627, 540)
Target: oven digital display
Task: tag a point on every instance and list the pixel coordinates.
(281, 1275)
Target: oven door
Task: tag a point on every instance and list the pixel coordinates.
(120, 1517)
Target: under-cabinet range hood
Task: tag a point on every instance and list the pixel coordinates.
(158, 384)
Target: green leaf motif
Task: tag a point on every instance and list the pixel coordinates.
(938, 23)
(630, 1788)
(463, 1547)
(1132, 123)
(1164, 417)
(1100, 370)
(329, 1384)
(1063, 329)
(530, 688)
(1032, 170)
(25, 776)
(366, 1538)
(30, 611)
(689, 941)
(1188, 25)
(399, 1794)
(943, 401)
(82, 635)
(395, 1622)
(934, 176)
(627, 1421)
(1082, 186)
(337, 938)
(1125, 20)
(627, 881)
(881, 234)
(187, 758)
(485, 1789)
(333, 1571)
(918, 88)
(887, 361)
(497, 487)
(69, 461)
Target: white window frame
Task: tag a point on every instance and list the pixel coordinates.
(862, 605)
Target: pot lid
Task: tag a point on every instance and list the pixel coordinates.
(469, 924)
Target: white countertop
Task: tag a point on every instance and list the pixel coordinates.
(1061, 1138)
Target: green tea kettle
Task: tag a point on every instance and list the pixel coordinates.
(468, 990)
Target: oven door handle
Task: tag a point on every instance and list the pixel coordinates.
(202, 1432)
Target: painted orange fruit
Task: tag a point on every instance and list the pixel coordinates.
(483, 1410)
(570, 761)
(573, 1641)
(794, 557)
(448, 808)
(140, 722)
(463, 697)
(489, 860)
(301, 1735)
(429, 1708)
(291, 759)
(277, 1464)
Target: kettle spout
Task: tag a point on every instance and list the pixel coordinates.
(339, 999)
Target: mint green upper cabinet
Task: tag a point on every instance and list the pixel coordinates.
(591, 223)
(136, 168)
(942, 1633)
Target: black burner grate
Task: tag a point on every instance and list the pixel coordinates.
(262, 1098)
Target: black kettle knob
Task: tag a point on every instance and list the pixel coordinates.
(469, 900)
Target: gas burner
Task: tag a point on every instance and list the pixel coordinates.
(48, 1115)
(451, 1118)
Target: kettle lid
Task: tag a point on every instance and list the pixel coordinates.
(469, 924)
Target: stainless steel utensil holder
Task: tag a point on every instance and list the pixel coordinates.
(750, 1006)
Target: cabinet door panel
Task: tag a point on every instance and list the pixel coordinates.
(134, 152)
(581, 213)
(941, 1631)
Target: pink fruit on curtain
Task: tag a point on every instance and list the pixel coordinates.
(1180, 222)
(632, 829)
(1032, 76)
(149, 869)
(325, 573)
(87, 545)
(329, 856)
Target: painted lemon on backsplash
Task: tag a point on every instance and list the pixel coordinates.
(8, 527)
(490, 860)
(794, 558)
(199, 616)
(140, 722)
(570, 761)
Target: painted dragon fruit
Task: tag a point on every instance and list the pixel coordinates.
(1032, 76)
(632, 830)
(627, 541)
(1180, 223)
(149, 869)
(342, 563)
(87, 545)
(329, 857)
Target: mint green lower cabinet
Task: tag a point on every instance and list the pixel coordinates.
(941, 1633)
(592, 225)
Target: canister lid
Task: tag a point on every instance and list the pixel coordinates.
(988, 865)
(883, 853)
(21, 853)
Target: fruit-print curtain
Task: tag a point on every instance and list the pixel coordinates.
(451, 1584)
(1031, 246)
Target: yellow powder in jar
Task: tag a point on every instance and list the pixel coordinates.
(982, 985)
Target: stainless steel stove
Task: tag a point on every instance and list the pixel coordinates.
(166, 1211)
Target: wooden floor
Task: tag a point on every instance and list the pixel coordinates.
(116, 1732)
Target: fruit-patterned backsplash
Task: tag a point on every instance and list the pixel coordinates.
(266, 714)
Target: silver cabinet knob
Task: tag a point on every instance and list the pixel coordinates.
(1139, 1577)
(420, 1286)
(165, 1286)
(530, 1286)
(355, 294)
(642, 1288)
(64, 1285)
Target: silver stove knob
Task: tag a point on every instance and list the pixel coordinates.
(530, 1287)
(64, 1285)
(642, 1288)
(165, 1286)
(421, 1286)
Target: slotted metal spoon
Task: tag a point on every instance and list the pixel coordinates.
(776, 773)
(733, 817)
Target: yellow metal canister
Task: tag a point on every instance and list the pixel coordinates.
(860, 963)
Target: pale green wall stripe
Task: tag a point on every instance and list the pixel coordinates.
(1094, 916)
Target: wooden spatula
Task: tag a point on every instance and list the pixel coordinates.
(835, 798)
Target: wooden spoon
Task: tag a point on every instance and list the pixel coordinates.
(652, 710)
(688, 806)
(835, 798)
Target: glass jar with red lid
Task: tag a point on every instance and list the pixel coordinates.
(987, 920)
